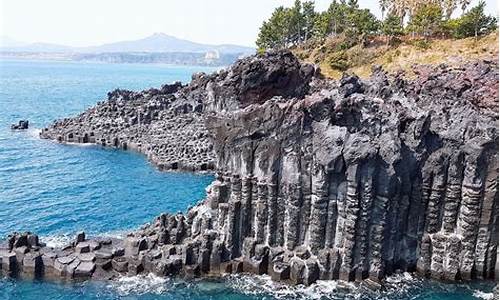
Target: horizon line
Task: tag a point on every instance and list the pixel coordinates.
(14, 39)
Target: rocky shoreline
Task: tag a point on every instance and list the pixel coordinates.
(167, 129)
(315, 179)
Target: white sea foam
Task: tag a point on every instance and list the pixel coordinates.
(34, 132)
(61, 240)
(263, 285)
(483, 295)
(400, 284)
(56, 241)
(140, 284)
(396, 287)
(117, 234)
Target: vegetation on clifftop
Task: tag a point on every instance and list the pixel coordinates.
(346, 37)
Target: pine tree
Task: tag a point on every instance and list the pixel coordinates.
(475, 22)
(392, 27)
(427, 21)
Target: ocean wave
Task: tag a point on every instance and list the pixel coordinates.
(57, 241)
(117, 234)
(140, 284)
(263, 285)
(483, 295)
(398, 286)
(34, 132)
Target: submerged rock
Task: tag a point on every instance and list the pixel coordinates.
(315, 179)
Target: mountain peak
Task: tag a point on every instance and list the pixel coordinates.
(160, 35)
(157, 42)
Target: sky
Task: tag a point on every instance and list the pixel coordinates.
(94, 22)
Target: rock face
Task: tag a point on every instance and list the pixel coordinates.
(317, 179)
(22, 124)
(169, 130)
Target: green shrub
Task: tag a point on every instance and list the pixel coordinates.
(427, 21)
(474, 23)
(389, 58)
(338, 61)
(422, 44)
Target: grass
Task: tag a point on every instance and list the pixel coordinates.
(392, 58)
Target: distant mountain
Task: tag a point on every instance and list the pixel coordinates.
(160, 43)
(157, 48)
(156, 43)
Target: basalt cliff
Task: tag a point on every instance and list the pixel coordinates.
(315, 179)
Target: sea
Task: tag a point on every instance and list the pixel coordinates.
(57, 190)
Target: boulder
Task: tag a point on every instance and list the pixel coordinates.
(82, 247)
(21, 125)
(120, 264)
(84, 269)
(9, 262)
(80, 237)
(33, 264)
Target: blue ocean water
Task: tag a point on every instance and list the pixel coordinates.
(56, 190)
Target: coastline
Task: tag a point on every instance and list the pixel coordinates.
(260, 143)
(166, 65)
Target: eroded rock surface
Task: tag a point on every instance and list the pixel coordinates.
(317, 179)
(168, 130)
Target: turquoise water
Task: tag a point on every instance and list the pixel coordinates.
(56, 190)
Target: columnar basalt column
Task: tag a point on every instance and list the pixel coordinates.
(247, 205)
(453, 192)
(341, 214)
(424, 261)
(332, 215)
(489, 213)
(292, 217)
(234, 218)
(351, 211)
(451, 263)
(438, 245)
(261, 213)
(366, 199)
(280, 216)
(439, 166)
(381, 203)
(253, 211)
(468, 218)
(272, 216)
(319, 208)
(306, 165)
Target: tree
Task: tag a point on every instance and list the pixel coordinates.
(399, 8)
(403, 8)
(361, 23)
(309, 19)
(475, 22)
(296, 22)
(321, 26)
(392, 27)
(275, 32)
(337, 13)
(427, 21)
(449, 6)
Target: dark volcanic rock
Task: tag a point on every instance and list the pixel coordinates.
(315, 179)
(22, 124)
